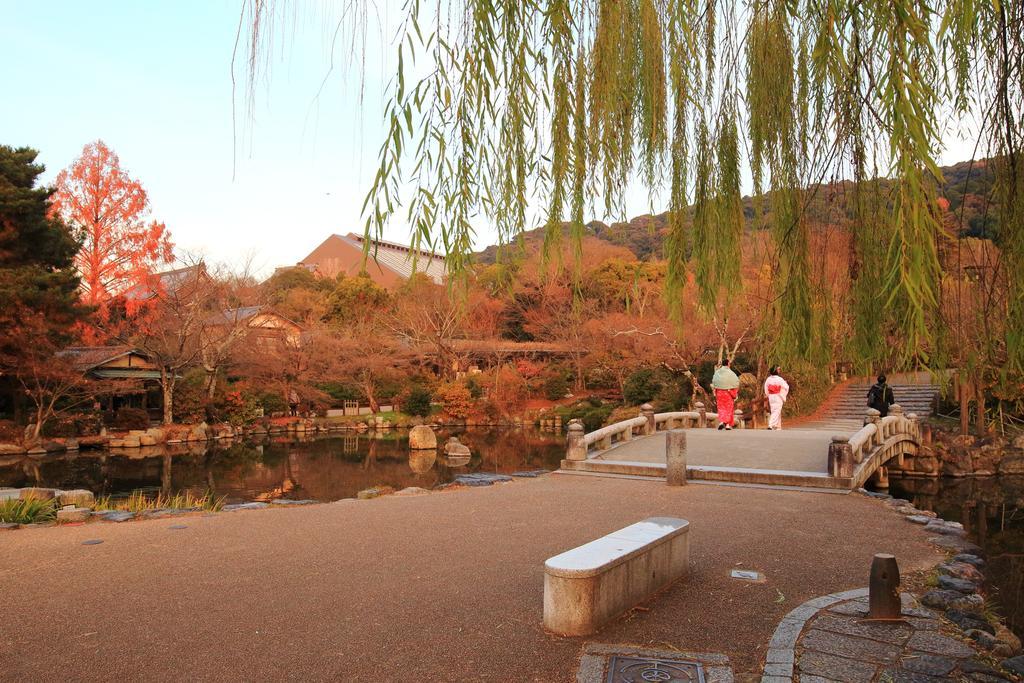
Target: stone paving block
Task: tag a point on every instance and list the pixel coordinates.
(776, 679)
(852, 608)
(786, 633)
(936, 643)
(803, 613)
(779, 654)
(904, 676)
(886, 632)
(932, 665)
(784, 669)
(835, 668)
(849, 646)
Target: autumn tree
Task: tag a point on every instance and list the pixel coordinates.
(108, 212)
(39, 307)
(169, 326)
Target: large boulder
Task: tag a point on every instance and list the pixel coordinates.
(73, 514)
(199, 432)
(422, 437)
(38, 493)
(1012, 463)
(76, 497)
(957, 462)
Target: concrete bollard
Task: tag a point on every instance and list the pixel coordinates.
(675, 457)
(647, 411)
(884, 588)
(576, 448)
(702, 415)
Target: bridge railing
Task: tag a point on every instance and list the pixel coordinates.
(580, 444)
(881, 439)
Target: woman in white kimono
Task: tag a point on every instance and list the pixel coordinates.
(776, 390)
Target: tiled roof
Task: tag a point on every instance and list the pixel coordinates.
(87, 357)
(167, 281)
(400, 258)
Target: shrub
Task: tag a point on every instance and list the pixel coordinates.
(416, 401)
(130, 418)
(475, 389)
(455, 400)
(591, 411)
(509, 389)
(272, 402)
(241, 408)
(556, 386)
(190, 397)
(641, 387)
(27, 511)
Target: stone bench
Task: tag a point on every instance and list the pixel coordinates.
(587, 586)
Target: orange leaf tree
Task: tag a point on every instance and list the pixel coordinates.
(107, 211)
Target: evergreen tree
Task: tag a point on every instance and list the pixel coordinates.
(39, 306)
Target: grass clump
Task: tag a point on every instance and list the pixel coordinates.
(27, 510)
(138, 501)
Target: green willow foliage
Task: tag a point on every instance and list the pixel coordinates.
(497, 104)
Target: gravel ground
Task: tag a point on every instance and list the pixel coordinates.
(439, 587)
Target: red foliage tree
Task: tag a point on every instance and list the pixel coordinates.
(106, 209)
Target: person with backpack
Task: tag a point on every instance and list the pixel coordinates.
(776, 390)
(880, 396)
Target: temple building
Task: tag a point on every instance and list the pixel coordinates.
(387, 263)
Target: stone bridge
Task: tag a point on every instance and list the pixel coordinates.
(813, 457)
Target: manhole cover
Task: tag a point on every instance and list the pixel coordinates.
(645, 670)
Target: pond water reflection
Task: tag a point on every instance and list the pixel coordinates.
(321, 468)
(992, 511)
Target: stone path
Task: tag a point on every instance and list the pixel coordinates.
(799, 450)
(828, 639)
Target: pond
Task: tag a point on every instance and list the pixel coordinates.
(319, 468)
(992, 511)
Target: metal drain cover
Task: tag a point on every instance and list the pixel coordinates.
(648, 670)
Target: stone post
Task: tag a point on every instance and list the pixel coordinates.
(881, 477)
(739, 419)
(702, 415)
(884, 588)
(576, 448)
(647, 411)
(558, 424)
(840, 457)
(675, 457)
(873, 417)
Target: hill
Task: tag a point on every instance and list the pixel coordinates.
(967, 187)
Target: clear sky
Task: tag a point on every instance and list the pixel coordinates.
(154, 81)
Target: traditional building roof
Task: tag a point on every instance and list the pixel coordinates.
(387, 263)
(111, 362)
(168, 281)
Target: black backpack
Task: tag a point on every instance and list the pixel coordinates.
(877, 396)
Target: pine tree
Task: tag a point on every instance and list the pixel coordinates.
(39, 306)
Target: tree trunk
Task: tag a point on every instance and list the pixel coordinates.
(167, 384)
(965, 405)
(981, 425)
(211, 383)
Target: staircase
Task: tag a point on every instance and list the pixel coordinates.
(844, 409)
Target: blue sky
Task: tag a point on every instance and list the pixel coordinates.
(153, 80)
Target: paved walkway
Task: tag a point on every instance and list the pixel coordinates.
(441, 587)
(800, 450)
